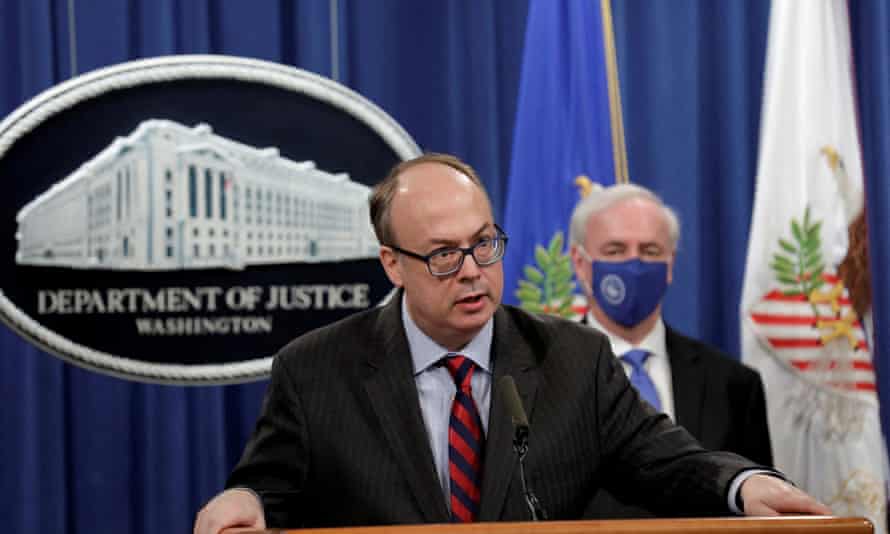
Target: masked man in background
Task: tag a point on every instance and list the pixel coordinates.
(623, 243)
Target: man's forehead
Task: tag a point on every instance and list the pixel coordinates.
(430, 175)
(437, 205)
(637, 219)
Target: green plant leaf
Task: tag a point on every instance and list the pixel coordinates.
(813, 231)
(817, 273)
(555, 248)
(563, 288)
(542, 258)
(808, 247)
(778, 258)
(795, 230)
(812, 262)
(791, 249)
(783, 269)
(560, 275)
(526, 283)
(786, 279)
(529, 293)
(533, 274)
(549, 284)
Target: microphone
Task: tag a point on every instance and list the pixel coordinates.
(510, 397)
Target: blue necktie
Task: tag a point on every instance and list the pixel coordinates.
(640, 378)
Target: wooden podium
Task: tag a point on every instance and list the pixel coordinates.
(733, 525)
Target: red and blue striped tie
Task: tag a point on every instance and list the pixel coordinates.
(465, 443)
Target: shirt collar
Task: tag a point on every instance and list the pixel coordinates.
(654, 342)
(425, 352)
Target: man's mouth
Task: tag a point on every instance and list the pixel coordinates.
(471, 299)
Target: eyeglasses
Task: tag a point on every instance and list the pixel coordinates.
(445, 261)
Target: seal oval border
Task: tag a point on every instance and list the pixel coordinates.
(68, 94)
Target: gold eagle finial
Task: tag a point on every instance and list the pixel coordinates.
(584, 184)
(834, 159)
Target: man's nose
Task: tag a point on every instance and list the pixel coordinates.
(469, 269)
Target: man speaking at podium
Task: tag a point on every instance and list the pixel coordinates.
(393, 415)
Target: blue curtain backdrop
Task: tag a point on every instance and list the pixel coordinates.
(691, 81)
(83, 452)
(870, 25)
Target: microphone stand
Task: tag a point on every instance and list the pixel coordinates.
(520, 446)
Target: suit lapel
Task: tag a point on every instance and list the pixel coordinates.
(514, 358)
(688, 380)
(393, 395)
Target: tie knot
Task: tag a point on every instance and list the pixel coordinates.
(461, 369)
(636, 357)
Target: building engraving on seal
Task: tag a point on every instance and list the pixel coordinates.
(170, 197)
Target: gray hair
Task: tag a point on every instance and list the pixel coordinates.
(602, 198)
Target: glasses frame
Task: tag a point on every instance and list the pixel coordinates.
(465, 251)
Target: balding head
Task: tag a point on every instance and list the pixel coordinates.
(384, 192)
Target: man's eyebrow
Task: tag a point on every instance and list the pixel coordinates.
(454, 243)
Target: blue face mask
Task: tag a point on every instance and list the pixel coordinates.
(629, 291)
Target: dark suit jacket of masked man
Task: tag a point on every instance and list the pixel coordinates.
(341, 439)
(719, 400)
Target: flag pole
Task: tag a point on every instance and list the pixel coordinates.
(616, 121)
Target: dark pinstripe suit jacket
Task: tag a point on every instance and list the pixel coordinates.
(719, 400)
(341, 440)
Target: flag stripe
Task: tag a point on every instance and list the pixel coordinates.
(764, 318)
(781, 343)
(778, 296)
(816, 365)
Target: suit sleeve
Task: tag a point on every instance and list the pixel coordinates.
(756, 438)
(652, 462)
(275, 460)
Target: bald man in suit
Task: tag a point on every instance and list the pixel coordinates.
(355, 428)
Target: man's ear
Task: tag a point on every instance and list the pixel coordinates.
(390, 262)
(582, 273)
(670, 263)
(578, 261)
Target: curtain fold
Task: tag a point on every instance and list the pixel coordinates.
(691, 77)
(870, 30)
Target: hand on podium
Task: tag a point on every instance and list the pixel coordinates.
(234, 508)
(766, 495)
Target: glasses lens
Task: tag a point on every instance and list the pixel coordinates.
(484, 251)
(489, 251)
(445, 260)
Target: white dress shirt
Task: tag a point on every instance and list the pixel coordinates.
(657, 365)
(436, 389)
